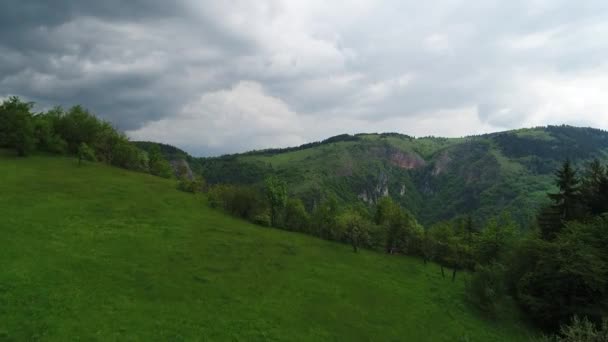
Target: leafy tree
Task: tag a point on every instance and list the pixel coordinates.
(355, 228)
(126, 155)
(78, 126)
(85, 153)
(276, 193)
(45, 136)
(195, 185)
(157, 164)
(442, 236)
(16, 126)
(324, 217)
(495, 240)
(486, 287)
(296, 217)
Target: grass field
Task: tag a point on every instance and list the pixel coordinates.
(97, 253)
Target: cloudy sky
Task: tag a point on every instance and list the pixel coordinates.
(215, 77)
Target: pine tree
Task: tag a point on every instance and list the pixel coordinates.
(595, 188)
(567, 200)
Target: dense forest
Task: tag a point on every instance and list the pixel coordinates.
(555, 266)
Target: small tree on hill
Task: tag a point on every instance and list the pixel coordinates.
(85, 153)
(158, 165)
(276, 192)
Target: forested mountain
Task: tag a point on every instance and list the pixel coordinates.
(435, 178)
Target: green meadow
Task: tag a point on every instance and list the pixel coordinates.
(97, 253)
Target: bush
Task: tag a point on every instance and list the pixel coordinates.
(581, 330)
(192, 186)
(486, 288)
(242, 201)
(85, 153)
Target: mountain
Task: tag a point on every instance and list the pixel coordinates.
(435, 178)
(101, 253)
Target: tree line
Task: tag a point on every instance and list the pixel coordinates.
(75, 132)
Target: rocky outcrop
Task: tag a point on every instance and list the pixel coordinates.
(379, 190)
(181, 168)
(441, 164)
(407, 160)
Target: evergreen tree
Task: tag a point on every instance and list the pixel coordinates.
(567, 199)
(595, 188)
(567, 202)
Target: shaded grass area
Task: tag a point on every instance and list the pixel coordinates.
(97, 253)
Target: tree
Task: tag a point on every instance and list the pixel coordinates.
(157, 164)
(296, 217)
(355, 228)
(324, 216)
(45, 136)
(16, 126)
(78, 126)
(567, 204)
(495, 240)
(85, 153)
(486, 288)
(276, 193)
(595, 188)
(568, 277)
(442, 235)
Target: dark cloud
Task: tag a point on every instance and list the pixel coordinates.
(169, 71)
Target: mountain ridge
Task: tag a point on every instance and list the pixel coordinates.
(436, 178)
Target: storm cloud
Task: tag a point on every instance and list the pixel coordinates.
(226, 76)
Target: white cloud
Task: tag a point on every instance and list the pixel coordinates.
(243, 117)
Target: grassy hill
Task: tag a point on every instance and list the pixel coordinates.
(98, 253)
(435, 178)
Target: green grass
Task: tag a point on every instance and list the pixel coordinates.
(97, 253)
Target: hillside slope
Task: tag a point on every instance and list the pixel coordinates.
(98, 253)
(435, 178)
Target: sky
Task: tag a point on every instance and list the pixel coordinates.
(215, 77)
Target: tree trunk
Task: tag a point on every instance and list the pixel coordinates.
(424, 259)
(442, 273)
(355, 248)
(453, 275)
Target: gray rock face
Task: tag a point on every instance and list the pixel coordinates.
(181, 168)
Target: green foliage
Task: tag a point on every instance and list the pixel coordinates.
(46, 138)
(85, 153)
(276, 194)
(323, 219)
(568, 277)
(356, 229)
(486, 288)
(78, 126)
(496, 240)
(296, 217)
(241, 201)
(192, 186)
(581, 330)
(157, 164)
(16, 126)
